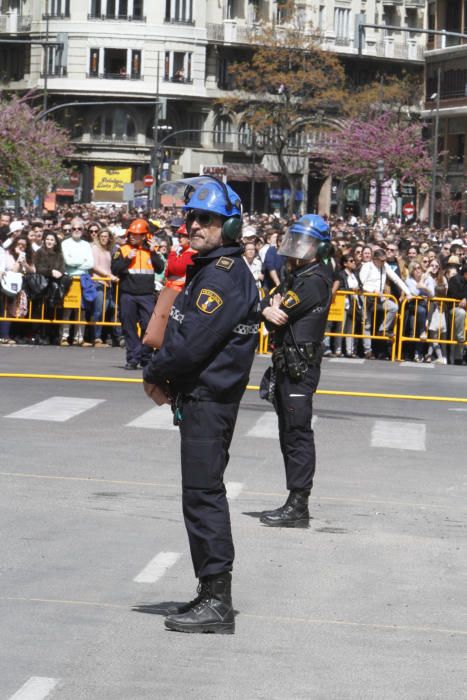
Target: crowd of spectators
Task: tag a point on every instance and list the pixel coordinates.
(383, 257)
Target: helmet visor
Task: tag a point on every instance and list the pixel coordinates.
(301, 246)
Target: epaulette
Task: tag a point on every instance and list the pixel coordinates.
(225, 263)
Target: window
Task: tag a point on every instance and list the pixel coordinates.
(53, 62)
(177, 66)
(95, 9)
(223, 131)
(59, 8)
(115, 63)
(321, 17)
(117, 9)
(179, 11)
(342, 24)
(114, 126)
(245, 137)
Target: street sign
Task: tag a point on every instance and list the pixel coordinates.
(408, 210)
(148, 180)
(407, 189)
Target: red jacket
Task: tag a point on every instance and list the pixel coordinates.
(177, 263)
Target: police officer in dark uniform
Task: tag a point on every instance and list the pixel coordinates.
(296, 312)
(208, 350)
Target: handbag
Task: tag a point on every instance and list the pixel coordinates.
(35, 285)
(154, 335)
(58, 289)
(11, 283)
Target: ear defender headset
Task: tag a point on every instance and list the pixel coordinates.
(323, 250)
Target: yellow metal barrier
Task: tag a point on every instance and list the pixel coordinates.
(41, 311)
(357, 315)
(439, 313)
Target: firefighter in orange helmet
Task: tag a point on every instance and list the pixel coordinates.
(135, 264)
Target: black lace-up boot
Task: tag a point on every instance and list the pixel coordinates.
(294, 512)
(214, 613)
(202, 590)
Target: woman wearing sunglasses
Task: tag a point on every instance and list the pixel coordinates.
(437, 316)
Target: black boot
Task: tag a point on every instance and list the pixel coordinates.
(202, 590)
(294, 512)
(214, 613)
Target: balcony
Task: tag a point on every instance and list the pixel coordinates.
(399, 50)
(118, 18)
(415, 3)
(185, 22)
(60, 72)
(114, 76)
(56, 15)
(177, 79)
(15, 24)
(229, 32)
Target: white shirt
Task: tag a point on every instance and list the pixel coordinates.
(255, 267)
(373, 278)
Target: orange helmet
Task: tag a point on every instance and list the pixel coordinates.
(139, 226)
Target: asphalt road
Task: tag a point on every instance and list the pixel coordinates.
(369, 602)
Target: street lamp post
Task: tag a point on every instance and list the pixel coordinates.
(46, 57)
(434, 166)
(379, 187)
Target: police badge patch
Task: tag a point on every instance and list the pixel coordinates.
(208, 301)
(290, 300)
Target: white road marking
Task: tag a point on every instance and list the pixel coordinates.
(57, 409)
(157, 418)
(157, 567)
(458, 410)
(424, 365)
(234, 489)
(348, 360)
(266, 426)
(399, 435)
(36, 688)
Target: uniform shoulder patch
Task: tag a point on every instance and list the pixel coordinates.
(208, 301)
(290, 300)
(225, 263)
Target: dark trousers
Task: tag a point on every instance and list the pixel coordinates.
(134, 309)
(206, 433)
(294, 408)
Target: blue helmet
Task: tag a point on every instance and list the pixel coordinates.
(306, 238)
(205, 194)
(312, 225)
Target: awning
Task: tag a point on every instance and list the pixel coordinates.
(243, 172)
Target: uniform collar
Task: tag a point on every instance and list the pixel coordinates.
(224, 250)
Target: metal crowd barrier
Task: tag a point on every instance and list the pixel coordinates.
(365, 314)
(41, 311)
(439, 313)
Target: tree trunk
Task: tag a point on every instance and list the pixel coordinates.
(290, 181)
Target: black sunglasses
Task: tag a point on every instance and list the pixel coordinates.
(203, 218)
(77, 228)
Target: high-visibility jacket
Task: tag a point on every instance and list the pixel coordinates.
(136, 274)
(177, 263)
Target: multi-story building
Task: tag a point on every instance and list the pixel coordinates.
(180, 52)
(446, 58)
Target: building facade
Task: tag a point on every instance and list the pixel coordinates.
(178, 52)
(446, 68)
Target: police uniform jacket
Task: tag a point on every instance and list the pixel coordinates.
(136, 274)
(211, 336)
(306, 300)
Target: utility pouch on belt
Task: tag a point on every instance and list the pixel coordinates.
(295, 365)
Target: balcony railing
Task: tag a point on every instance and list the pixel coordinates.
(56, 73)
(172, 20)
(3, 24)
(121, 18)
(401, 50)
(103, 138)
(24, 23)
(177, 79)
(56, 15)
(230, 32)
(415, 3)
(115, 76)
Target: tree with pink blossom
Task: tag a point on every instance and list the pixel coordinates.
(32, 150)
(353, 152)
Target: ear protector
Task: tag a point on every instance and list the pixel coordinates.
(232, 226)
(323, 250)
